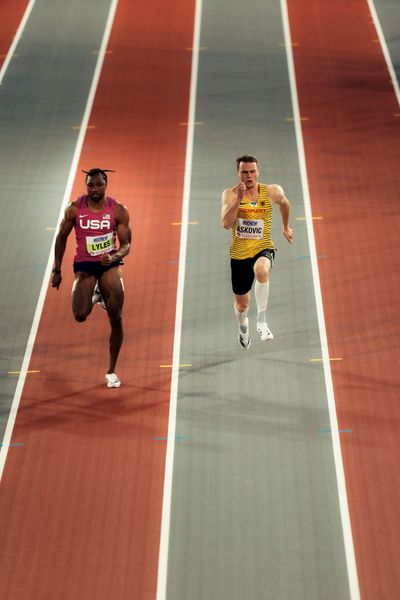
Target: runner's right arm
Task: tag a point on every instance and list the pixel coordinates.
(66, 227)
(230, 204)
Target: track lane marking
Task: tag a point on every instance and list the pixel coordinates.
(189, 223)
(173, 365)
(385, 49)
(331, 358)
(67, 193)
(169, 457)
(11, 51)
(337, 452)
(18, 372)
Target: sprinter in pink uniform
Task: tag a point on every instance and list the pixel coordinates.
(100, 222)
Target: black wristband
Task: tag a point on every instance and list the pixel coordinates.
(56, 271)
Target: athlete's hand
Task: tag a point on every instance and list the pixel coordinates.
(288, 234)
(56, 280)
(240, 190)
(106, 259)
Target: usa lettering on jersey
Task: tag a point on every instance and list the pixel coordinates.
(93, 223)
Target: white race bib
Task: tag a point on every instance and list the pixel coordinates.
(99, 244)
(249, 229)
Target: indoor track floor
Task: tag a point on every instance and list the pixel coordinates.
(213, 473)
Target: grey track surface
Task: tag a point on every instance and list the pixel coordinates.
(42, 97)
(388, 14)
(255, 511)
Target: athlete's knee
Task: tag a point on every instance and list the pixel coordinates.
(241, 305)
(114, 313)
(261, 271)
(80, 314)
(80, 317)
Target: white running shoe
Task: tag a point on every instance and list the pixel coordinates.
(264, 331)
(244, 338)
(112, 380)
(97, 298)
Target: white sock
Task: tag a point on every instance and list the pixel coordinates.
(261, 291)
(242, 319)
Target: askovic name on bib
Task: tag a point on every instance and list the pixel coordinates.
(249, 229)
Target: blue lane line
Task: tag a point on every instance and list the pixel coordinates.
(328, 430)
(176, 261)
(12, 445)
(308, 257)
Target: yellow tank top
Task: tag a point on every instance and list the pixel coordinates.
(251, 231)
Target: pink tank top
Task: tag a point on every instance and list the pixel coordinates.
(96, 232)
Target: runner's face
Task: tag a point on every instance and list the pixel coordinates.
(96, 187)
(248, 174)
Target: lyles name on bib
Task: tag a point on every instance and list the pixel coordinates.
(96, 245)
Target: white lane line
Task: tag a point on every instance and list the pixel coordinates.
(16, 39)
(45, 284)
(385, 49)
(341, 482)
(169, 459)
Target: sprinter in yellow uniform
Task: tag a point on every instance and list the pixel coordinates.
(247, 210)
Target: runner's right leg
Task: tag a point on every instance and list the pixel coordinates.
(241, 307)
(82, 292)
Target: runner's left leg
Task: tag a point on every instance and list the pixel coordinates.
(262, 268)
(241, 306)
(112, 291)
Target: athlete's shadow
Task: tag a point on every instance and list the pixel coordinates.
(257, 393)
(95, 410)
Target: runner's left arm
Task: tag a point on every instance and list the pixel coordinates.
(124, 235)
(278, 197)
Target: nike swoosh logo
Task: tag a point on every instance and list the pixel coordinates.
(83, 216)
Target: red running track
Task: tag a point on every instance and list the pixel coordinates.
(11, 14)
(80, 510)
(352, 146)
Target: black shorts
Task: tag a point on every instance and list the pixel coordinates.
(94, 268)
(242, 271)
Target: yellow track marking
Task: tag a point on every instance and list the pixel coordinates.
(18, 372)
(170, 366)
(189, 223)
(321, 359)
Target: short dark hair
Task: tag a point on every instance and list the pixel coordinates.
(97, 171)
(245, 158)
